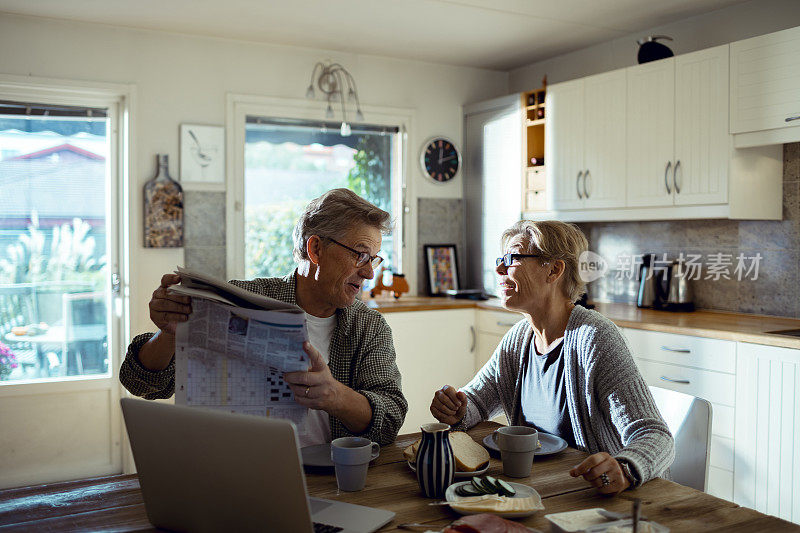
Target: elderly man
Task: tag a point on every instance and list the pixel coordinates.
(353, 384)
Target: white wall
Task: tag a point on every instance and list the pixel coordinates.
(184, 79)
(723, 26)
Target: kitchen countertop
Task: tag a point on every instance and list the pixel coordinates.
(701, 323)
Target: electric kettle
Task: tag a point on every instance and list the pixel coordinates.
(679, 289)
(649, 290)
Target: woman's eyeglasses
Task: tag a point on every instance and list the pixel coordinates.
(363, 257)
(508, 259)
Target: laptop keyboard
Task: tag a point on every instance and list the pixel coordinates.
(325, 528)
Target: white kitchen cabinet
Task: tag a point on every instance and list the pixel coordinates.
(586, 141)
(702, 140)
(765, 89)
(675, 157)
(491, 326)
(650, 133)
(700, 367)
(678, 141)
(434, 348)
(564, 147)
(767, 436)
(604, 140)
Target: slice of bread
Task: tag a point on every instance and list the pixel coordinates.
(469, 454)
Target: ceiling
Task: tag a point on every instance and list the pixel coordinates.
(493, 34)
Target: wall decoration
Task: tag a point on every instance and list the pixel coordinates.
(442, 266)
(163, 209)
(440, 159)
(203, 156)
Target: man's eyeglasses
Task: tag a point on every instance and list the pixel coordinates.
(363, 257)
(508, 259)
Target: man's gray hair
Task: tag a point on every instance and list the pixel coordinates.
(332, 215)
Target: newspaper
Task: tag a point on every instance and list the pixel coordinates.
(233, 351)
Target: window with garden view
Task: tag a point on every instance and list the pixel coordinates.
(53, 218)
(289, 163)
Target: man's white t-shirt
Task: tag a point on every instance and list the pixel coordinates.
(318, 426)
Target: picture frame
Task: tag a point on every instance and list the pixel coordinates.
(441, 261)
(202, 157)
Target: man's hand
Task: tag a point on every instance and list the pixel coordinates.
(316, 388)
(594, 466)
(449, 406)
(166, 308)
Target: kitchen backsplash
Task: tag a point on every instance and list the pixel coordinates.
(775, 290)
(439, 221)
(204, 231)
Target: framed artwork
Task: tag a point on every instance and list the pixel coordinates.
(442, 264)
(202, 157)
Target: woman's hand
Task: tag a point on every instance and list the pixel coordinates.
(167, 308)
(449, 405)
(593, 468)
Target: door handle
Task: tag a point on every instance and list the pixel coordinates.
(677, 350)
(578, 184)
(789, 119)
(672, 380)
(666, 173)
(585, 190)
(116, 284)
(474, 339)
(674, 176)
(506, 324)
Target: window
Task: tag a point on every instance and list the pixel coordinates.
(54, 177)
(287, 163)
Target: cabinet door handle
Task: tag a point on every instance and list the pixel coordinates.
(789, 119)
(585, 190)
(677, 350)
(506, 324)
(578, 184)
(671, 380)
(666, 173)
(675, 176)
(474, 339)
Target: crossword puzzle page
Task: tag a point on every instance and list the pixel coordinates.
(234, 359)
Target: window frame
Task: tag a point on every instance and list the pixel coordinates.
(240, 106)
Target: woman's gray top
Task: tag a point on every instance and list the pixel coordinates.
(610, 406)
(543, 395)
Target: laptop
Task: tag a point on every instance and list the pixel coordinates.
(206, 470)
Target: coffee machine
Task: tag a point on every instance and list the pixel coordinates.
(667, 288)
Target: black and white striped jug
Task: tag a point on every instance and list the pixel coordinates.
(436, 465)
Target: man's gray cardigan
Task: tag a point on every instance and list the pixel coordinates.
(610, 406)
(361, 356)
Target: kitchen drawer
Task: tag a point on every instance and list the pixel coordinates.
(715, 387)
(687, 350)
(720, 483)
(536, 179)
(497, 322)
(535, 200)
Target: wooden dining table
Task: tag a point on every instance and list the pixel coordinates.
(115, 502)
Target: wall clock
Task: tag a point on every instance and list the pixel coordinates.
(440, 159)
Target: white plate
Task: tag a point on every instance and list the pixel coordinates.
(320, 455)
(550, 444)
(523, 491)
(458, 475)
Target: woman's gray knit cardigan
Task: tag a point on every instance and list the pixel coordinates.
(610, 406)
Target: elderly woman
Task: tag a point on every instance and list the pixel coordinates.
(563, 369)
(353, 384)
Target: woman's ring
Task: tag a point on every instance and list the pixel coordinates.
(604, 479)
(309, 388)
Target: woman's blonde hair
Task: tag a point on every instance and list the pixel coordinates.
(554, 240)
